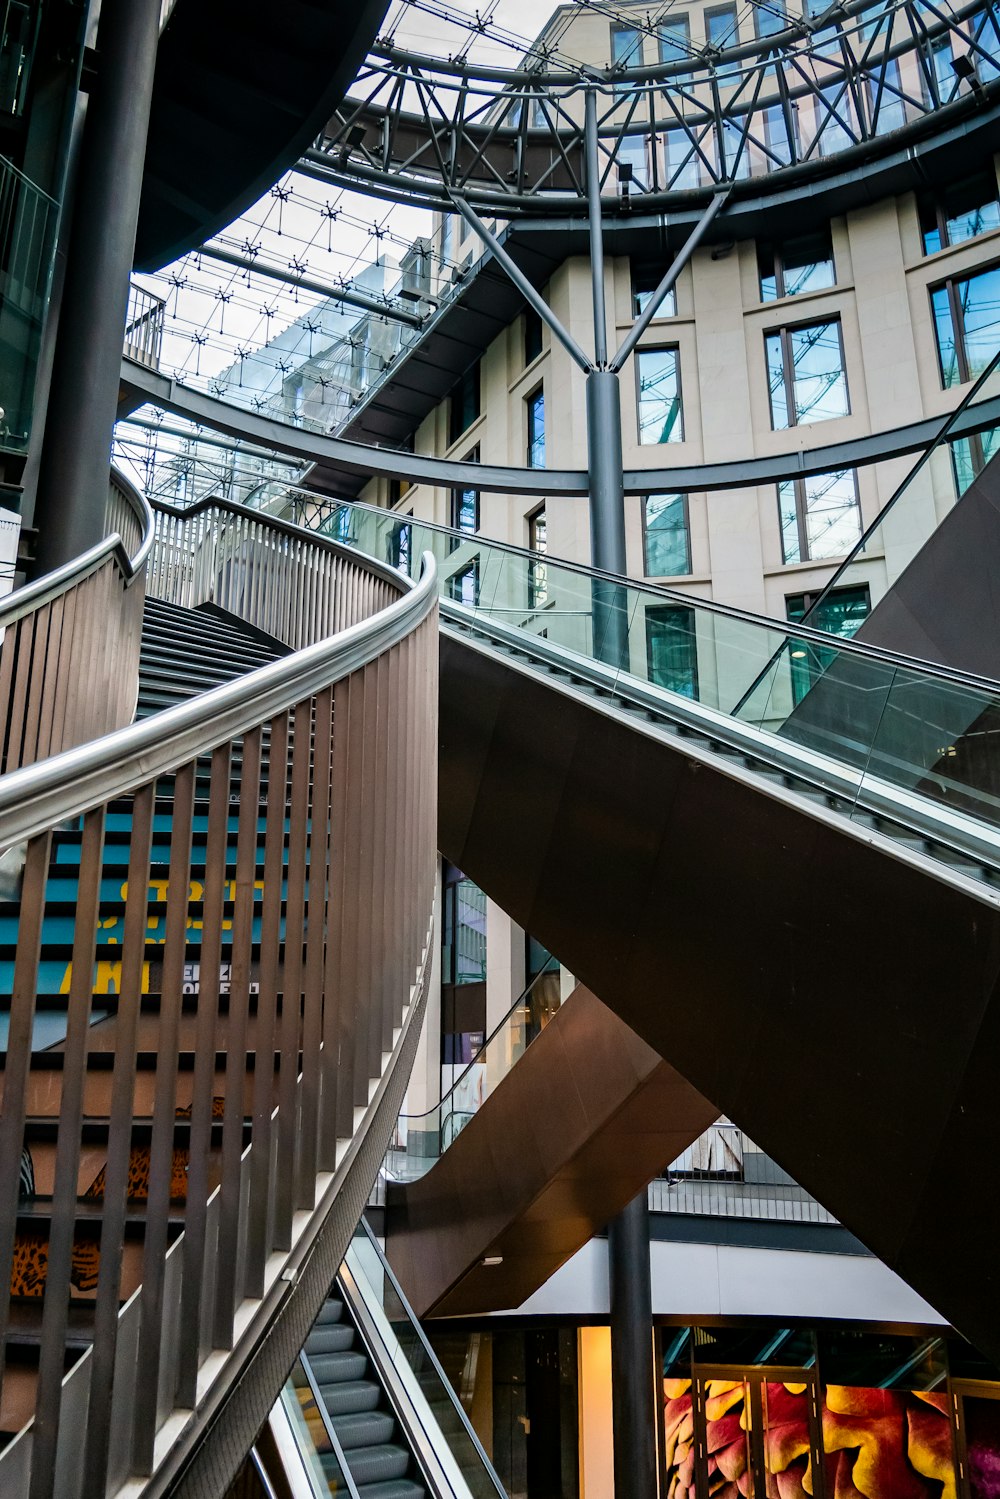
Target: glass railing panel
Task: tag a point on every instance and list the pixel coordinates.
(324, 1472)
(407, 1348)
(940, 740)
(420, 1139)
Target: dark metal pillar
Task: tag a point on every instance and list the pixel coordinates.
(73, 475)
(633, 1391)
(604, 435)
(607, 516)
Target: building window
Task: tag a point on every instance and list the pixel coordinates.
(722, 27)
(770, 18)
(645, 280)
(835, 121)
(463, 586)
(666, 537)
(841, 613)
(633, 166)
(538, 572)
(960, 213)
(805, 374)
(680, 159)
(464, 405)
(675, 45)
(820, 516)
(401, 547)
(660, 415)
(532, 335)
(447, 239)
(671, 648)
(626, 48)
(796, 268)
(970, 455)
(884, 88)
(967, 325)
(535, 407)
(465, 505)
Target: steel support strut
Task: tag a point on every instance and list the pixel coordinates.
(73, 475)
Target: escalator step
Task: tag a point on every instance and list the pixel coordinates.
(397, 1488)
(364, 1429)
(350, 1398)
(378, 1464)
(335, 1368)
(336, 1337)
(332, 1311)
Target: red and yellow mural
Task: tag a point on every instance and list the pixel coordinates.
(874, 1443)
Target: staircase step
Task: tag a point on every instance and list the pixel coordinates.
(337, 1337)
(350, 1398)
(332, 1311)
(397, 1488)
(335, 1368)
(364, 1429)
(378, 1464)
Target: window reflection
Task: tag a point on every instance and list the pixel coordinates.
(806, 378)
(660, 417)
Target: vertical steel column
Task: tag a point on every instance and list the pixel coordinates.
(633, 1393)
(604, 437)
(73, 476)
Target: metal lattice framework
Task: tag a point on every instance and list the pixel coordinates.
(852, 78)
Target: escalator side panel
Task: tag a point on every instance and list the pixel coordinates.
(832, 999)
(582, 1123)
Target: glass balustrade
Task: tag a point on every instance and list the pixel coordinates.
(864, 721)
(420, 1139)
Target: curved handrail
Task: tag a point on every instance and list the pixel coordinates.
(40, 796)
(43, 590)
(143, 511)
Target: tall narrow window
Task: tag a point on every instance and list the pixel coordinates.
(795, 268)
(967, 325)
(401, 547)
(538, 575)
(626, 47)
(805, 375)
(666, 538)
(465, 505)
(660, 415)
(535, 407)
(464, 404)
(532, 335)
(671, 648)
(820, 516)
(463, 586)
(674, 35)
(841, 613)
(722, 27)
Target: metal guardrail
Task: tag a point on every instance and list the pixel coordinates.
(724, 1175)
(255, 788)
(144, 325)
(69, 643)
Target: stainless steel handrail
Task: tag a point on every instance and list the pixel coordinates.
(33, 595)
(47, 793)
(329, 1430)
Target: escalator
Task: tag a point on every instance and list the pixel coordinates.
(368, 1409)
(810, 936)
